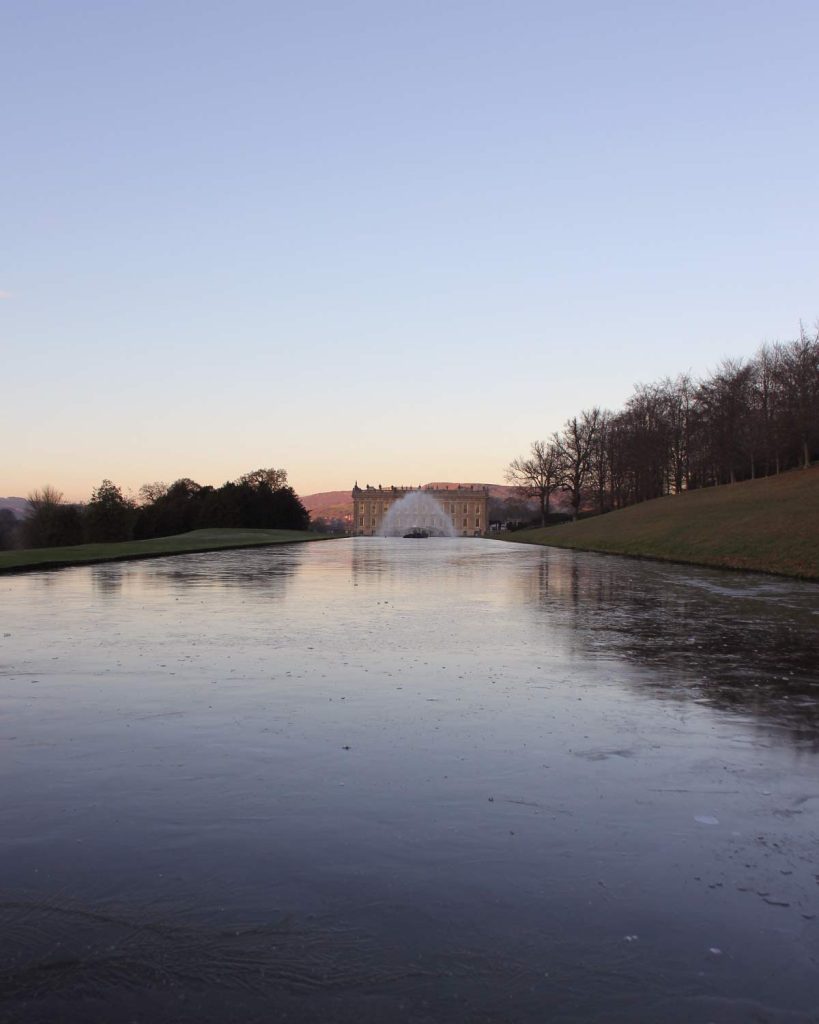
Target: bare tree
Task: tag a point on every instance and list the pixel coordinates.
(599, 462)
(50, 522)
(151, 492)
(574, 450)
(770, 399)
(725, 404)
(44, 497)
(745, 419)
(537, 476)
(801, 377)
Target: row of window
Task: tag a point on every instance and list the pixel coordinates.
(373, 508)
(418, 520)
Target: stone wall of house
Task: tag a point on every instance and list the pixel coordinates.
(466, 507)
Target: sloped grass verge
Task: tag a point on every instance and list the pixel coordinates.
(769, 525)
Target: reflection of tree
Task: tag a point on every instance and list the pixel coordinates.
(107, 579)
(734, 642)
(264, 572)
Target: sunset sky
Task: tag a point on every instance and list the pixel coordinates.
(385, 241)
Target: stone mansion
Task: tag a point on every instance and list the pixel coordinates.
(465, 506)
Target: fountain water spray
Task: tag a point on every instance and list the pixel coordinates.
(417, 511)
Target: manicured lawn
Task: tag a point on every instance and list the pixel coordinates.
(183, 543)
(769, 525)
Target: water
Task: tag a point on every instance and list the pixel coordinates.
(383, 780)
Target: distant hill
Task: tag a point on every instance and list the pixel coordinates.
(19, 506)
(769, 525)
(339, 504)
(329, 504)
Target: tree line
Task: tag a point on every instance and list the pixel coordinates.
(749, 418)
(261, 499)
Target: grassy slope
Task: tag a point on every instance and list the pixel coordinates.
(769, 525)
(181, 544)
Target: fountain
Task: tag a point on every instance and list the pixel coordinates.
(417, 513)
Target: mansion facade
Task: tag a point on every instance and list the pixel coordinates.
(465, 507)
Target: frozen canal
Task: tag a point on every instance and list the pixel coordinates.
(408, 781)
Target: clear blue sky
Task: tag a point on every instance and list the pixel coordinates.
(386, 241)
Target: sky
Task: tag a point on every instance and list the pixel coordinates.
(391, 242)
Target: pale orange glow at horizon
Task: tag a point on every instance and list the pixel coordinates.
(77, 481)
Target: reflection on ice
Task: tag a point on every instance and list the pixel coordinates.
(727, 638)
(376, 779)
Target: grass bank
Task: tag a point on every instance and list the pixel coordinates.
(181, 544)
(769, 525)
